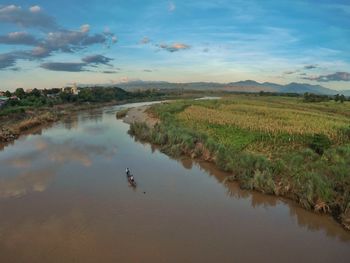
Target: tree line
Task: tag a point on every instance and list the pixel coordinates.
(19, 100)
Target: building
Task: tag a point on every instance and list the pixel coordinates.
(2, 93)
(73, 90)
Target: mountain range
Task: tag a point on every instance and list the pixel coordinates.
(239, 86)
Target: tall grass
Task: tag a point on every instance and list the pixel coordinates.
(121, 114)
(268, 120)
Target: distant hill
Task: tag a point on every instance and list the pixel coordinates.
(303, 87)
(239, 86)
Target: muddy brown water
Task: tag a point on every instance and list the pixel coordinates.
(64, 197)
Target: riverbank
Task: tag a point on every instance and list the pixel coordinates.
(13, 125)
(16, 119)
(318, 182)
(140, 114)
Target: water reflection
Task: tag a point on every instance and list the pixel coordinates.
(71, 122)
(59, 152)
(22, 173)
(71, 151)
(23, 161)
(25, 182)
(304, 218)
(95, 130)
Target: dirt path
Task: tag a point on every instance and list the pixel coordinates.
(139, 114)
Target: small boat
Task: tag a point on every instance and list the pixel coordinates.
(131, 179)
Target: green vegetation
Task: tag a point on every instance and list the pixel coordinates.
(122, 113)
(12, 110)
(49, 98)
(276, 145)
(25, 109)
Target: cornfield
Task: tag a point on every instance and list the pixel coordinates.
(270, 117)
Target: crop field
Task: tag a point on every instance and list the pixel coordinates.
(263, 124)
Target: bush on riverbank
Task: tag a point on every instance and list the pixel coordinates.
(121, 114)
(35, 121)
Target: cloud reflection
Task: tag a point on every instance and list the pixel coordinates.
(67, 151)
(71, 151)
(25, 183)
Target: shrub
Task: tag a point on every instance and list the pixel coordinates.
(122, 113)
(319, 143)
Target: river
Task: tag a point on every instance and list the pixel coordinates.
(64, 197)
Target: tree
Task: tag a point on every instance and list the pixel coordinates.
(342, 98)
(85, 95)
(310, 97)
(336, 98)
(20, 93)
(8, 94)
(36, 93)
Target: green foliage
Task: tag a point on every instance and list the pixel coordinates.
(11, 110)
(319, 143)
(122, 113)
(8, 94)
(50, 97)
(67, 97)
(340, 98)
(36, 93)
(310, 97)
(20, 93)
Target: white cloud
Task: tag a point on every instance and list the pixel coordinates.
(174, 47)
(85, 28)
(32, 17)
(10, 8)
(18, 38)
(35, 9)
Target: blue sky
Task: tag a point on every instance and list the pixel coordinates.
(48, 44)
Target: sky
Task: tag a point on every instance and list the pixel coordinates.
(47, 44)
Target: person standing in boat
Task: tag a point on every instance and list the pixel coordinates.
(127, 170)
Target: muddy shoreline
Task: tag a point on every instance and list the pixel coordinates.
(140, 114)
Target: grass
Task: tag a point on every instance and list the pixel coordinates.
(27, 124)
(122, 113)
(274, 145)
(12, 110)
(12, 126)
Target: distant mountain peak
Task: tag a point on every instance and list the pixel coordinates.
(239, 86)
